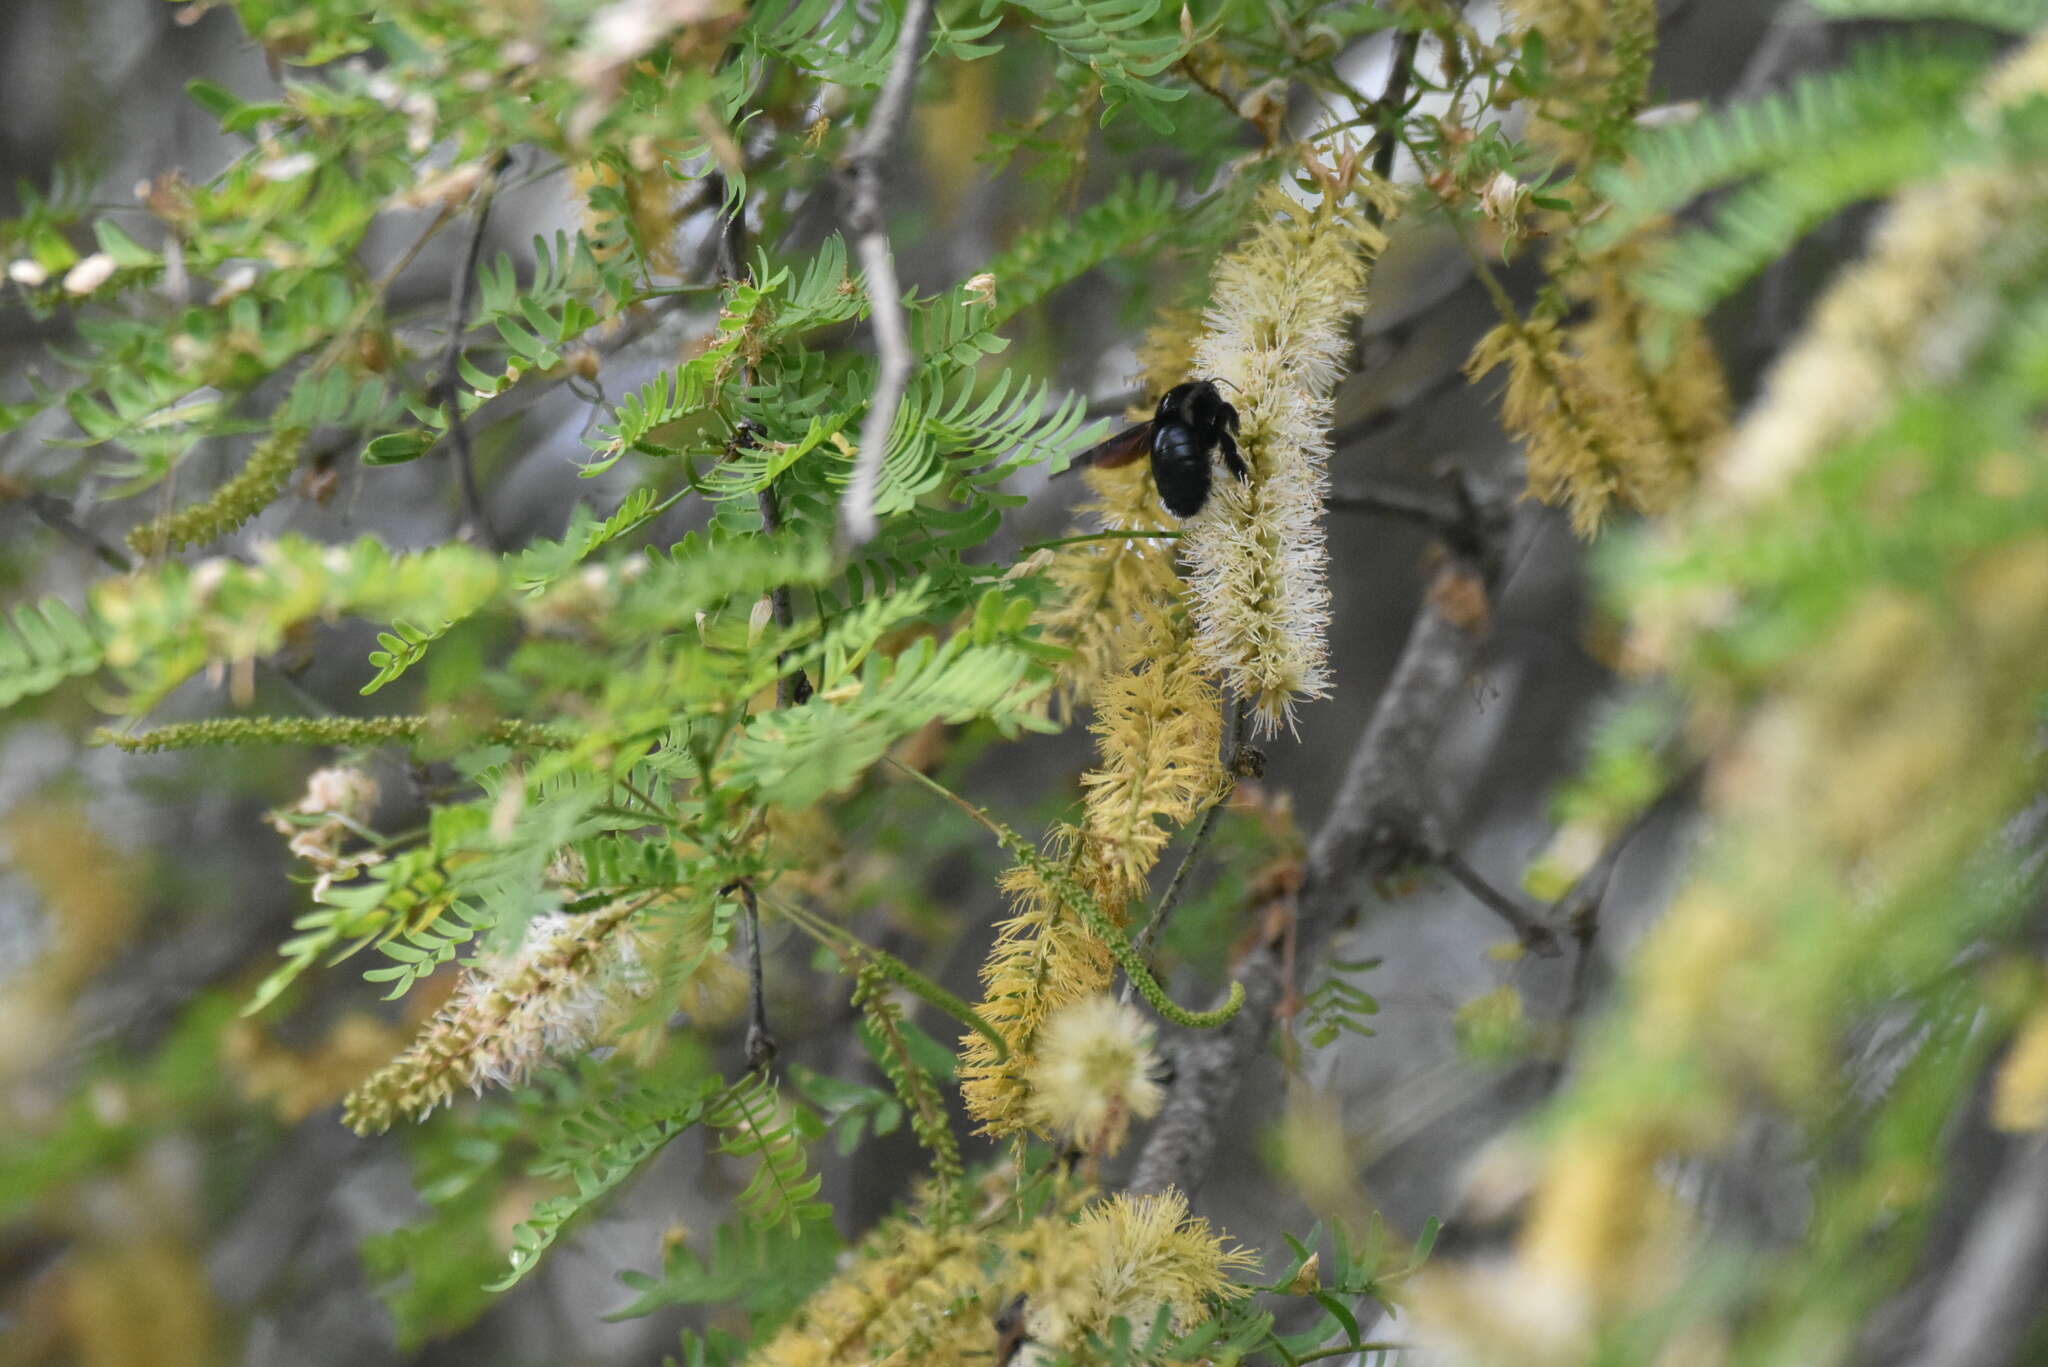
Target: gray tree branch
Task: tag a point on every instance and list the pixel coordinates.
(869, 222)
(1992, 1296)
(1380, 821)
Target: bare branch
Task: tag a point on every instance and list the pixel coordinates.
(55, 513)
(867, 219)
(1379, 823)
(1577, 913)
(1535, 937)
(1390, 500)
(761, 1045)
(1993, 1293)
(1392, 414)
(794, 687)
(462, 300)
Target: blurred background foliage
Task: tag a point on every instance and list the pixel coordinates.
(1756, 298)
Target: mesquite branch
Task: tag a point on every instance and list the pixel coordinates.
(761, 1046)
(1380, 822)
(462, 298)
(868, 220)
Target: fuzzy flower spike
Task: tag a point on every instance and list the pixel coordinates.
(562, 990)
(1277, 334)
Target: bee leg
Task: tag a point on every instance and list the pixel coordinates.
(1232, 459)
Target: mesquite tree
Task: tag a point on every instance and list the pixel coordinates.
(686, 774)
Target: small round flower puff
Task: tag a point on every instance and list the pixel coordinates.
(1258, 569)
(1093, 1072)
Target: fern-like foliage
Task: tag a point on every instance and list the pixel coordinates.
(160, 630)
(851, 45)
(1339, 1006)
(799, 755)
(1041, 260)
(41, 646)
(766, 1272)
(2011, 16)
(1126, 43)
(543, 562)
(599, 1147)
(1883, 85)
(758, 1124)
(1894, 113)
(410, 892)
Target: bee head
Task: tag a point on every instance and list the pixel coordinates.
(1196, 403)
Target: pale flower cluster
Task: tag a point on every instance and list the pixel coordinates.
(337, 801)
(1094, 1073)
(1277, 338)
(1128, 1258)
(561, 991)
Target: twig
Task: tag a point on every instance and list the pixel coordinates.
(1233, 760)
(794, 687)
(55, 513)
(1388, 109)
(1992, 1295)
(374, 297)
(760, 1040)
(1536, 937)
(1344, 1349)
(1116, 534)
(463, 298)
(1577, 913)
(1391, 414)
(1379, 823)
(1392, 501)
(857, 523)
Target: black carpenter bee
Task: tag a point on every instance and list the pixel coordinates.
(1192, 423)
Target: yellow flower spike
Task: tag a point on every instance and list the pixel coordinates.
(1044, 957)
(1112, 586)
(1158, 732)
(1128, 1257)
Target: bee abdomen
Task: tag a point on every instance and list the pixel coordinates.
(1180, 467)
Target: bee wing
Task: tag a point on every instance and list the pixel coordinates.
(1131, 444)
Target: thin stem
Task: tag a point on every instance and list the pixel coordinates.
(791, 688)
(1578, 913)
(660, 813)
(1536, 937)
(55, 513)
(1390, 501)
(1380, 419)
(1344, 1349)
(1239, 726)
(857, 521)
(1102, 536)
(760, 1040)
(1389, 108)
(463, 299)
(980, 815)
